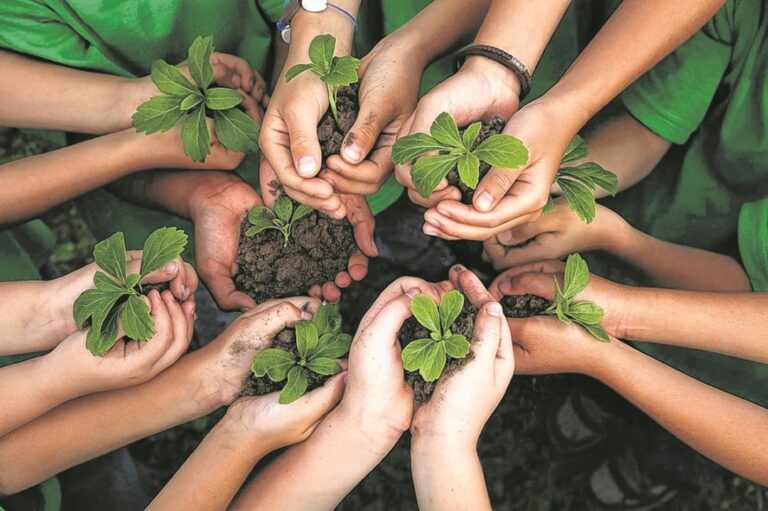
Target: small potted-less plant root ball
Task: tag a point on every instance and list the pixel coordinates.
(465, 156)
(301, 358)
(435, 341)
(116, 303)
(315, 247)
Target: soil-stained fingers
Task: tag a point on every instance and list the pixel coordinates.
(470, 284)
(396, 289)
(315, 193)
(507, 283)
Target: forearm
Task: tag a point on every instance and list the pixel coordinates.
(33, 185)
(41, 95)
(305, 26)
(24, 326)
(213, 474)
(448, 477)
(711, 421)
(637, 36)
(319, 472)
(32, 454)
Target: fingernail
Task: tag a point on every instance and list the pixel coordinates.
(484, 201)
(184, 292)
(375, 250)
(307, 166)
(505, 238)
(192, 309)
(413, 292)
(306, 315)
(458, 267)
(429, 230)
(494, 309)
(171, 267)
(352, 153)
(434, 222)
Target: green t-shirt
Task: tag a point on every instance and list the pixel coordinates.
(711, 96)
(753, 242)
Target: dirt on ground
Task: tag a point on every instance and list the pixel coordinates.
(524, 306)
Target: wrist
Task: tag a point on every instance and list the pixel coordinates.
(129, 93)
(617, 235)
(433, 445)
(373, 433)
(305, 26)
(233, 431)
(493, 72)
(571, 114)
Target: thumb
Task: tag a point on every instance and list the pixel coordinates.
(371, 121)
(320, 401)
(539, 284)
(363, 222)
(268, 183)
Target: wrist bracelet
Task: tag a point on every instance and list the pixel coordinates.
(503, 58)
(292, 7)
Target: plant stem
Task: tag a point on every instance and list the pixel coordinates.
(332, 101)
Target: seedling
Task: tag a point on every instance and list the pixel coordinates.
(455, 151)
(319, 342)
(282, 218)
(579, 182)
(429, 356)
(183, 102)
(335, 72)
(116, 302)
(586, 314)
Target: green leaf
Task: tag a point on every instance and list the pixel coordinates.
(283, 208)
(415, 354)
(425, 312)
(560, 311)
(236, 131)
(411, 147)
(435, 362)
(132, 280)
(470, 135)
(324, 366)
(333, 345)
(107, 284)
(469, 169)
(457, 346)
(577, 149)
(321, 52)
(110, 255)
(503, 151)
(579, 198)
(300, 212)
(170, 80)
(295, 387)
(94, 304)
(190, 102)
(576, 276)
(306, 339)
(427, 172)
(548, 206)
(195, 136)
(100, 340)
(161, 247)
(445, 131)
(594, 174)
(297, 70)
(585, 313)
(200, 61)
(598, 332)
(273, 362)
(160, 113)
(343, 72)
(136, 320)
(451, 305)
(259, 214)
(222, 98)
(327, 319)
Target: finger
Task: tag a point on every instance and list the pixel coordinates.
(358, 266)
(316, 291)
(343, 280)
(398, 288)
(450, 193)
(261, 328)
(488, 332)
(162, 319)
(182, 333)
(268, 183)
(226, 76)
(367, 171)
(494, 185)
(332, 206)
(239, 66)
(431, 230)
(543, 247)
(219, 281)
(469, 284)
(465, 230)
(189, 308)
(349, 186)
(305, 146)
(539, 284)
(303, 303)
(371, 120)
(318, 402)
(191, 279)
(363, 222)
(331, 293)
(381, 329)
(501, 216)
(164, 274)
(505, 356)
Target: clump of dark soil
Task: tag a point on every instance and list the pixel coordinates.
(524, 306)
(318, 249)
(412, 330)
(319, 246)
(285, 340)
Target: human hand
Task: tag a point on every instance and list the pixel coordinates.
(505, 198)
(129, 362)
(616, 300)
(481, 89)
(555, 235)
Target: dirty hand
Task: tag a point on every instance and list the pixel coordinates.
(507, 198)
(129, 362)
(555, 235)
(479, 90)
(538, 279)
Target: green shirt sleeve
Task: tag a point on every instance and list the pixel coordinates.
(672, 98)
(753, 242)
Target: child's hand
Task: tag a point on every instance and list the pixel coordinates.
(538, 279)
(129, 363)
(546, 345)
(263, 420)
(556, 234)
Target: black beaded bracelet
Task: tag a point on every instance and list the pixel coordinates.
(503, 58)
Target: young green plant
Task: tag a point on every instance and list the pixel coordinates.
(578, 182)
(584, 313)
(335, 72)
(116, 301)
(186, 103)
(428, 356)
(319, 343)
(282, 218)
(455, 151)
